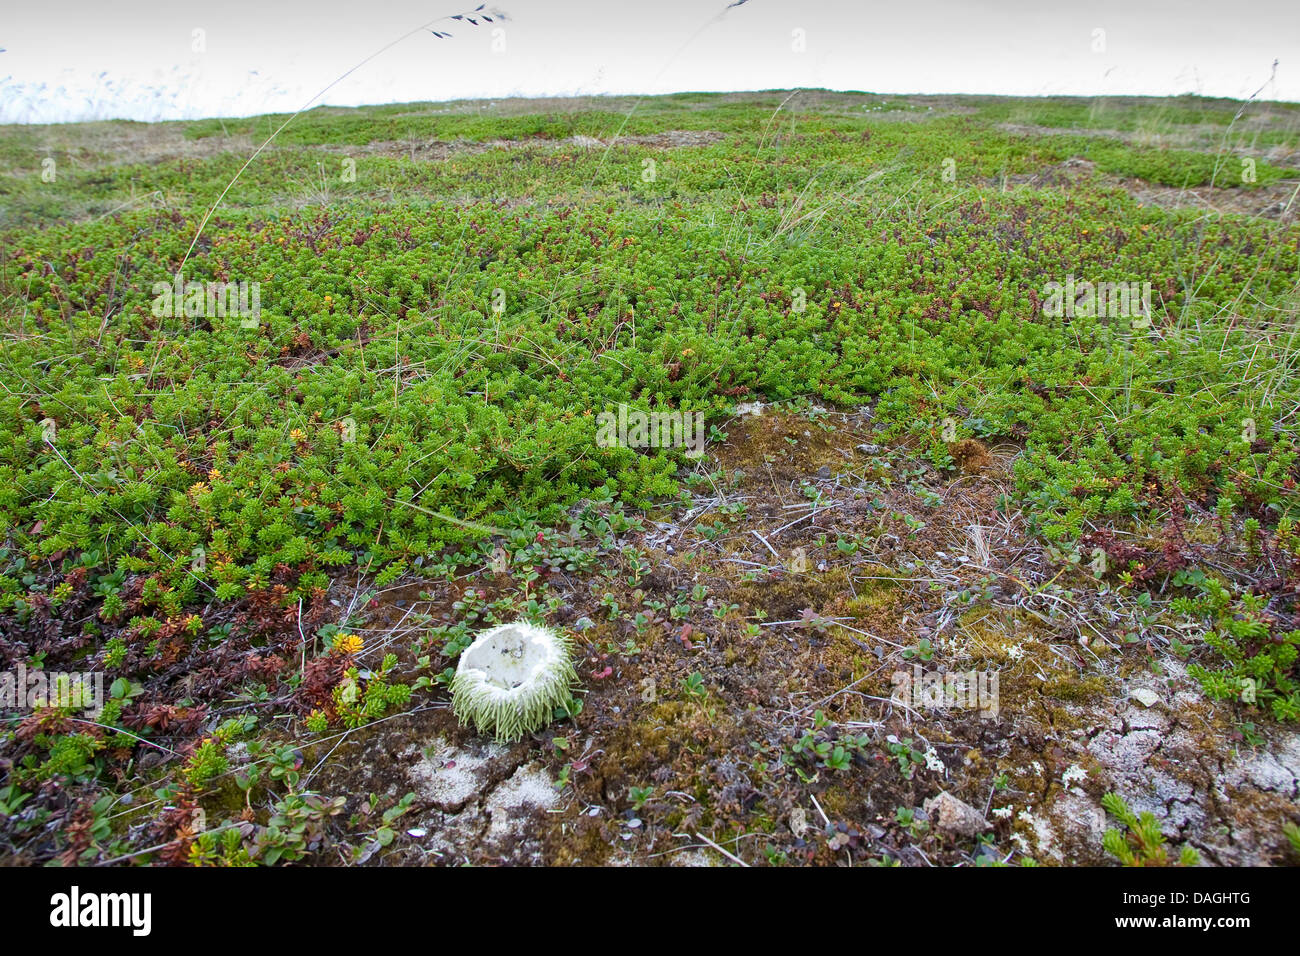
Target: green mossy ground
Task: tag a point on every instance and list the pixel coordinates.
(225, 518)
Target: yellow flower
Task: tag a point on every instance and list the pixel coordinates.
(347, 643)
(214, 475)
(297, 435)
(199, 488)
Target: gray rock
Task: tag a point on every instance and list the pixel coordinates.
(953, 817)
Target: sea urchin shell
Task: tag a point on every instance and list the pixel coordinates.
(511, 679)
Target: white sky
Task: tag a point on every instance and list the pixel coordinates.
(85, 59)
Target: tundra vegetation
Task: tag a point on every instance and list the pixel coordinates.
(271, 476)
